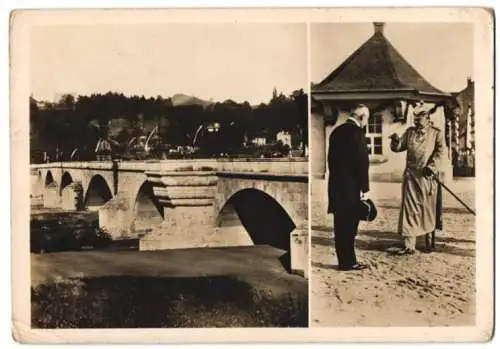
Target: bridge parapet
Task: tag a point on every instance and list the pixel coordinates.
(272, 166)
(277, 166)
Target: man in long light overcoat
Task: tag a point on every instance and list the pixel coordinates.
(424, 146)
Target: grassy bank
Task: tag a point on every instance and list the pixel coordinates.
(152, 302)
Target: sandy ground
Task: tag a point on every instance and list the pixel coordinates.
(421, 290)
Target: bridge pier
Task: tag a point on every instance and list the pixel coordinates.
(51, 197)
(72, 197)
(116, 217)
(299, 252)
(183, 227)
(186, 198)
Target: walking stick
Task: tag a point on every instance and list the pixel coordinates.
(431, 243)
(455, 196)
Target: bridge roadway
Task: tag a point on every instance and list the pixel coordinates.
(171, 204)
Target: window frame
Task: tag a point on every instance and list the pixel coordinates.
(374, 131)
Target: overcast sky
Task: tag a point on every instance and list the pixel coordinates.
(212, 61)
(441, 53)
(221, 61)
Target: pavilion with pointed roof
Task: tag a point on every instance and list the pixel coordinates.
(378, 76)
(377, 70)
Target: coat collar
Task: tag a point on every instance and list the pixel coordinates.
(423, 130)
(354, 121)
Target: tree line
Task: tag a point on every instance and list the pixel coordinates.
(79, 122)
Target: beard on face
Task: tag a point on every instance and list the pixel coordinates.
(420, 121)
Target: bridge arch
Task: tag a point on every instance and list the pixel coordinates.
(98, 193)
(65, 181)
(147, 209)
(49, 178)
(261, 215)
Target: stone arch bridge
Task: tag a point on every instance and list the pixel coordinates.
(187, 203)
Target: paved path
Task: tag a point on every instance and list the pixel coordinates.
(257, 265)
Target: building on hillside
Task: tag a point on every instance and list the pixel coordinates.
(259, 140)
(43, 105)
(378, 76)
(285, 138)
(103, 150)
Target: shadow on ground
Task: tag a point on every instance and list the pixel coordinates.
(456, 210)
(384, 241)
(153, 302)
(285, 261)
(325, 266)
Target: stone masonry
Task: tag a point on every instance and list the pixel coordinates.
(181, 203)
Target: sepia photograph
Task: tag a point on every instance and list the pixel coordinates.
(258, 175)
(169, 176)
(393, 166)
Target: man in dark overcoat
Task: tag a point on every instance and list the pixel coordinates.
(348, 183)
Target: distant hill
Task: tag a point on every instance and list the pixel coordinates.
(182, 99)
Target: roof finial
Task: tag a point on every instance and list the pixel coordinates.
(379, 27)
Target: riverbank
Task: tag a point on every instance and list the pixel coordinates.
(212, 287)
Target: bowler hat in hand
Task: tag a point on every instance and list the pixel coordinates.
(367, 210)
(394, 137)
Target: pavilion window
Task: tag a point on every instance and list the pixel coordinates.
(374, 135)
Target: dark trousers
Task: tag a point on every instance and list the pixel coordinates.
(345, 227)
